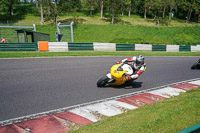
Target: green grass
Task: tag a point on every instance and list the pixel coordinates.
(167, 116)
(132, 29)
(93, 53)
(130, 34)
(137, 34)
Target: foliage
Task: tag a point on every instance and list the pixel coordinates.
(160, 10)
(126, 30)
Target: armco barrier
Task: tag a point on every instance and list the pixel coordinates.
(184, 48)
(158, 47)
(172, 48)
(195, 48)
(58, 47)
(125, 47)
(18, 47)
(65, 46)
(143, 47)
(104, 46)
(80, 46)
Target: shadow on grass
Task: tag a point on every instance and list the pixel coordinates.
(117, 20)
(76, 20)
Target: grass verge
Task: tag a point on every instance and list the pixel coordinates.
(167, 116)
(93, 53)
(133, 30)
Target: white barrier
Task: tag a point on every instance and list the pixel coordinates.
(104, 46)
(63, 47)
(143, 47)
(58, 46)
(195, 48)
(172, 48)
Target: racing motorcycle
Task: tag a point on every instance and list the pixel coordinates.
(116, 76)
(196, 65)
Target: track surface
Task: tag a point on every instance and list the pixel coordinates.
(34, 85)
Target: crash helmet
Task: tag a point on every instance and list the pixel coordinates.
(139, 59)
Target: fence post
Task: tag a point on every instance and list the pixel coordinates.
(71, 27)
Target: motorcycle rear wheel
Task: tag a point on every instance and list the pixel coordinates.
(102, 81)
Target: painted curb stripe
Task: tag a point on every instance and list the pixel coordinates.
(152, 96)
(96, 111)
(195, 82)
(73, 118)
(186, 86)
(104, 109)
(167, 92)
(141, 99)
(121, 104)
(46, 124)
(130, 101)
(12, 129)
(85, 113)
(109, 108)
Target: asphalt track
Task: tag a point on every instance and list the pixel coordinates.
(34, 85)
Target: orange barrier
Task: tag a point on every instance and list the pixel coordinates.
(43, 46)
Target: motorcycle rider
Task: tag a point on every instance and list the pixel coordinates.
(137, 64)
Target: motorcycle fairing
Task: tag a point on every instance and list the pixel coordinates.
(118, 73)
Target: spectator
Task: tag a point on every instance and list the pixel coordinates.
(3, 40)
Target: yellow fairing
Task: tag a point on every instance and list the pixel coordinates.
(117, 75)
(145, 68)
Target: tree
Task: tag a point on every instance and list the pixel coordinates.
(6, 9)
(48, 8)
(3, 8)
(193, 6)
(91, 5)
(189, 6)
(65, 6)
(113, 7)
(125, 5)
(147, 4)
(172, 5)
(55, 11)
(41, 11)
(101, 8)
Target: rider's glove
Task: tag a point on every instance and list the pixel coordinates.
(128, 78)
(135, 76)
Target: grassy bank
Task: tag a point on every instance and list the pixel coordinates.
(130, 34)
(93, 53)
(127, 30)
(167, 116)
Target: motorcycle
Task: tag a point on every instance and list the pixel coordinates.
(196, 65)
(116, 76)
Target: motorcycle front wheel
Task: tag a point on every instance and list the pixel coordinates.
(194, 66)
(102, 81)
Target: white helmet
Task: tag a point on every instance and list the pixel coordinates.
(139, 59)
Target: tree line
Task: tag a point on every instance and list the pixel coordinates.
(49, 9)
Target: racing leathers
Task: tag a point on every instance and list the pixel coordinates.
(138, 67)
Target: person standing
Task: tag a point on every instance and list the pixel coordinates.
(3, 40)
